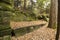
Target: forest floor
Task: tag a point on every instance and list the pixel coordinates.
(43, 33)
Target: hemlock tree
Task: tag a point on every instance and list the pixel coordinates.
(53, 14)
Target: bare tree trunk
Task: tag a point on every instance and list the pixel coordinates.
(24, 4)
(58, 33)
(31, 4)
(53, 14)
(58, 27)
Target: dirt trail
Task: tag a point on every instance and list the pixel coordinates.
(15, 25)
(40, 34)
(43, 33)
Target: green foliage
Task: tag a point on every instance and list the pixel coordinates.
(21, 16)
(23, 31)
(44, 17)
(1, 38)
(55, 26)
(5, 28)
(5, 32)
(8, 37)
(34, 14)
(5, 17)
(17, 15)
(19, 32)
(6, 5)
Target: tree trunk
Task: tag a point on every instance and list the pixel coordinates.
(24, 4)
(58, 33)
(53, 14)
(31, 4)
(58, 27)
